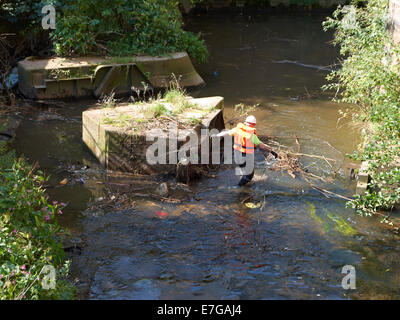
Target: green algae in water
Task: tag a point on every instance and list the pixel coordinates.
(313, 214)
(341, 225)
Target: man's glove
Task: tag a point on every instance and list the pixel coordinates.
(274, 154)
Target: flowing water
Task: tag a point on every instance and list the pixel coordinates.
(295, 241)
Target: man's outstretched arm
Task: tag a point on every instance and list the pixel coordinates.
(263, 146)
(224, 133)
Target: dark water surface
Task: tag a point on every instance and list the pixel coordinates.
(293, 246)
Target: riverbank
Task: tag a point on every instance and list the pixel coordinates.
(31, 250)
(369, 78)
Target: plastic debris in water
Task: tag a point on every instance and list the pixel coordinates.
(215, 73)
(269, 162)
(64, 181)
(81, 180)
(252, 205)
(11, 80)
(162, 214)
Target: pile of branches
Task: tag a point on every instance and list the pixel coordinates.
(288, 161)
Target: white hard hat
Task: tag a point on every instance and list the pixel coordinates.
(251, 119)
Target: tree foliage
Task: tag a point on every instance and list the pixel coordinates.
(117, 28)
(125, 27)
(370, 79)
(24, 16)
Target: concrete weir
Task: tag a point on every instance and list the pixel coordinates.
(117, 136)
(363, 177)
(93, 76)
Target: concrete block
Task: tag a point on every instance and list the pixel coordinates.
(93, 76)
(119, 146)
(363, 178)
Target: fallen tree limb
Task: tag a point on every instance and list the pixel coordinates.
(323, 68)
(288, 161)
(325, 192)
(311, 156)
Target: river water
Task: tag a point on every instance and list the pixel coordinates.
(293, 245)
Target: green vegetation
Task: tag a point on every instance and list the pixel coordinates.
(29, 234)
(125, 28)
(370, 79)
(59, 74)
(243, 110)
(108, 101)
(179, 100)
(193, 121)
(24, 17)
(121, 121)
(171, 105)
(156, 109)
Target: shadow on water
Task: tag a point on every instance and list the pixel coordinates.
(291, 245)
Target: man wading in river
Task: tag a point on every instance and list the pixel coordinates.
(245, 143)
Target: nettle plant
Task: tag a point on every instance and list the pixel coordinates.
(29, 237)
(370, 79)
(124, 28)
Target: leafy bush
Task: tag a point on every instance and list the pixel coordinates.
(370, 79)
(24, 18)
(21, 11)
(132, 27)
(28, 235)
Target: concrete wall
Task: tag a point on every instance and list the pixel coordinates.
(94, 76)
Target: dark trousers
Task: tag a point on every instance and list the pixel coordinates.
(245, 161)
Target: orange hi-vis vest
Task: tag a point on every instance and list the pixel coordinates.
(242, 138)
